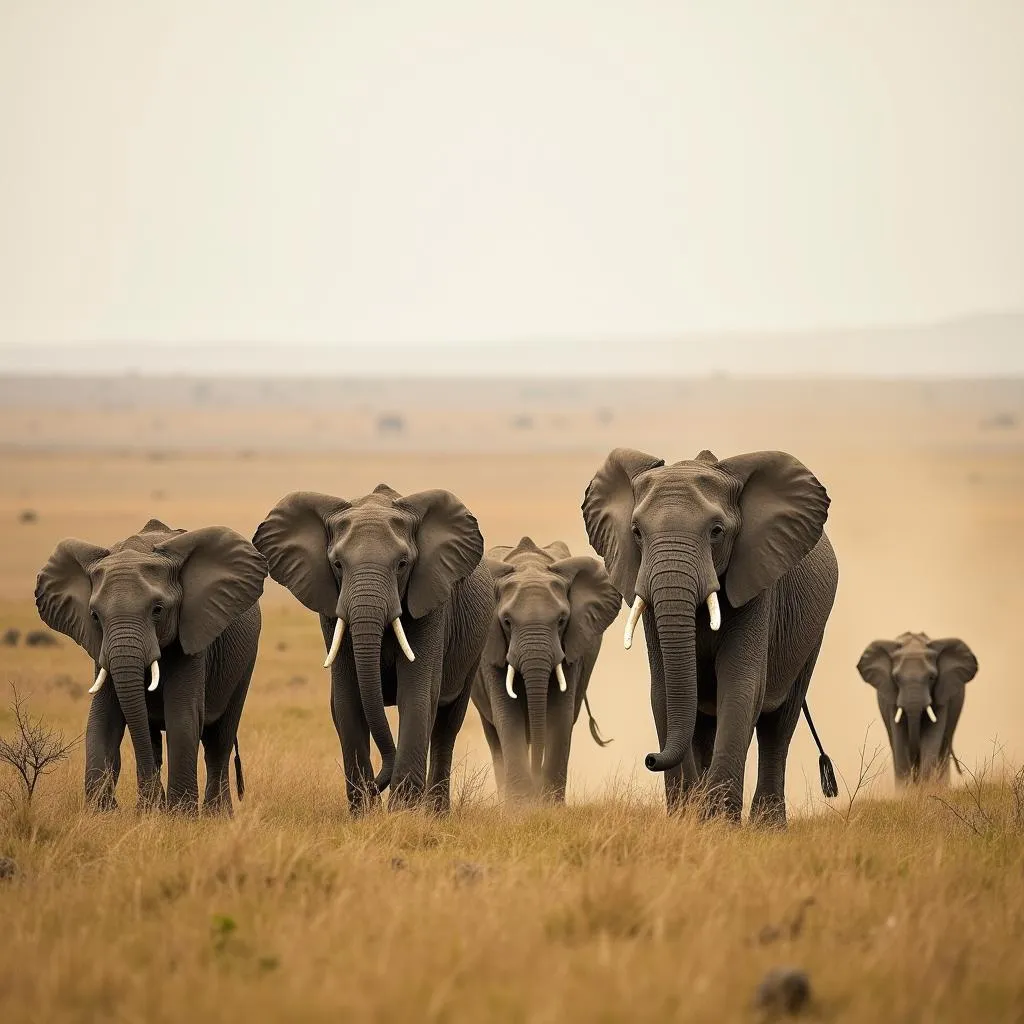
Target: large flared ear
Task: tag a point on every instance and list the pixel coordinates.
(293, 539)
(957, 666)
(783, 509)
(221, 576)
(875, 667)
(593, 603)
(64, 589)
(449, 544)
(608, 515)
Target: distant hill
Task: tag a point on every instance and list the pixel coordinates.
(974, 346)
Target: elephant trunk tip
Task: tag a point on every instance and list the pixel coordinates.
(661, 762)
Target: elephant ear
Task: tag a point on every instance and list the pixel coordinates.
(294, 539)
(957, 667)
(557, 550)
(608, 515)
(221, 576)
(450, 548)
(875, 667)
(593, 603)
(783, 509)
(64, 589)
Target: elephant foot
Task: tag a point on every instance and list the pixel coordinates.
(720, 800)
(101, 801)
(768, 811)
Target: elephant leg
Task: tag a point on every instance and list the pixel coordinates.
(184, 709)
(491, 735)
(417, 700)
(218, 741)
(447, 724)
(704, 743)
(561, 715)
(103, 735)
(354, 736)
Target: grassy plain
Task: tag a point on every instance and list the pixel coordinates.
(901, 908)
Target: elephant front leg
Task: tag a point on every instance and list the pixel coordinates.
(419, 690)
(353, 734)
(184, 709)
(103, 735)
(561, 717)
(741, 683)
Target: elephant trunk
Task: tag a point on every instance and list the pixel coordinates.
(368, 614)
(127, 649)
(673, 592)
(535, 667)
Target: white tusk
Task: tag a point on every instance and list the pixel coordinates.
(634, 617)
(930, 713)
(714, 611)
(100, 680)
(402, 641)
(154, 670)
(510, 675)
(899, 716)
(560, 676)
(339, 633)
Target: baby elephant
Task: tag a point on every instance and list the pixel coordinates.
(171, 620)
(541, 649)
(920, 684)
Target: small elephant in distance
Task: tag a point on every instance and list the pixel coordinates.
(172, 621)
(404, 607)
(920, 687)
(544, 639)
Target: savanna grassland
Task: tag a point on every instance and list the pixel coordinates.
(898, 907)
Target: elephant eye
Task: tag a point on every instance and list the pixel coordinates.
(716, 531)
(637, 536)
(562, 620)
(94, 615)
(506, 622)
(403, 562)
(158, 610)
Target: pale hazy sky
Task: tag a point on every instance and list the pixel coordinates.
(444, 171)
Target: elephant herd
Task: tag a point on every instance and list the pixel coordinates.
(725, 561)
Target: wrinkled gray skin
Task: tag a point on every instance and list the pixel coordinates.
(914, 672)
(749, 528)
(187, 599)
(368, 562)
(552, 609)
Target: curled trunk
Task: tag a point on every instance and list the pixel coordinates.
(674, 600)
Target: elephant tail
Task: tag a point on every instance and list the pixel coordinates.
(595, 732)
(956, 760)
(239, 777)
(825, 770)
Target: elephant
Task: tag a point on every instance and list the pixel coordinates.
(552, 610)
(920, 687)
(728, 564)
(176, 608)
(404, 605)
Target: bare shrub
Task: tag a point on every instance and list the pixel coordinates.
(868, 771)
(35, 749)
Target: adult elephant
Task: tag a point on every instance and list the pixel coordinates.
(545, 636)
(729, 566)
(920, 687)
(177, 609)
(404, 606)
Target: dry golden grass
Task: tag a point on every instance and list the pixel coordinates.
(602, 911)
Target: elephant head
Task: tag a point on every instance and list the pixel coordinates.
(128, 604)
(676, 539)
(920, 682)
(366, 563)
(551, 611)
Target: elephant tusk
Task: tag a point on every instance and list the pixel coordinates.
(899, 716)
(100, 680)
(339, 633)
(714, 611)
(402, 641)
(510, 676)
(634, 617)
(560, 676)
(931, 714)
(154, 671)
